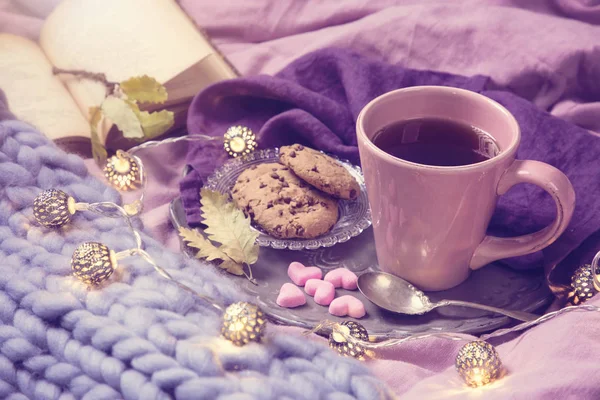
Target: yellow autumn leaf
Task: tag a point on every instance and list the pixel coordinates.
(122, 114)
(144, 89)
(95, 115)
(232, 267)
(228, 225)
(206, 249)
(209, 251)
(156, 123)
(98, 150)
(153, 124)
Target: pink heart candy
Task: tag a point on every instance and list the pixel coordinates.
(347, 305)
(323, 292)
(299, 274)
(290, 296)
(342, 277)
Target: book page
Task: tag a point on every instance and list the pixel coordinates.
(121, 39)
(34, 94)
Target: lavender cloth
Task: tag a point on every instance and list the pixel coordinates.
(544, 50)
(316, 100)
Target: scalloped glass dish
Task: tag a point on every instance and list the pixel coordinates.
(354, 215)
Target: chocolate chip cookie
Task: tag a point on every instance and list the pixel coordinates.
(282, 204)
(320, 170)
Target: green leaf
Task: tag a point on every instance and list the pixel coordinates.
(144, 89)
(229, 226)
(156, 123)
(123, 115)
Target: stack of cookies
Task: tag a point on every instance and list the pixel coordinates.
(296, 197)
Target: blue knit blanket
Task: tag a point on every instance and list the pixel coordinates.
(139, 337)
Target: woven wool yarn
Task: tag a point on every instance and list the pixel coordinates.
(138, 336)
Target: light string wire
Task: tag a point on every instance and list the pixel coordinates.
(336, 327)
(112, 210)
(136, 206)
(189, 138)
(477, 362)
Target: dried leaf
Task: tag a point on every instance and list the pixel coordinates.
(98, 150)
(229, 226)
(232, 267)
(144, 89)
(206, 248)
(156, 123)
(122, 114)
(95, 115)
(209, 251)
(153, 124)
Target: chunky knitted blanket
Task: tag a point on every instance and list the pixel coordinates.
(139, 336)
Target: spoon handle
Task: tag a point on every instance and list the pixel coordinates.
(518, 315)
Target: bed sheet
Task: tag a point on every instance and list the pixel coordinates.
(546, 51)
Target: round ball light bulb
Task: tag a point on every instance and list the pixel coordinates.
(123, 171)
(239, 141)
(243, 323)
(53, 208)
(93, 263)
(582, 283)
(478, 363)
(338, 342)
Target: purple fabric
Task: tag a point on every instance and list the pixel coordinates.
(316, 100)
(544, 50)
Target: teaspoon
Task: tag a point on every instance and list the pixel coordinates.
(397, 295)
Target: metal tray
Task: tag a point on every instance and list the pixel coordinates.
(494, 285)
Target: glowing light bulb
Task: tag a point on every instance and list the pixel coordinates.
(123, 171)
(478, 363)
(243, 323)
(93, 263)
(239, 141)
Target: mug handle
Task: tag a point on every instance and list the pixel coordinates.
(552, 181)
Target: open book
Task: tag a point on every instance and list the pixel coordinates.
(121, 39)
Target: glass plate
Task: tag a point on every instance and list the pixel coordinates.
(354, 215)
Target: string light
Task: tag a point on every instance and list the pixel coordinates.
(53, 208)
(478, 363)
(348, 338)
(93, 263)
(239, 141)
(338, 341)
(243, 323)
(582, 283)
(124, 171)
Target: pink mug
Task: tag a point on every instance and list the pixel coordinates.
(430, 222)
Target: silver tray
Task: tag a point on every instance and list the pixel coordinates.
(494, 285)
(354, 215)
